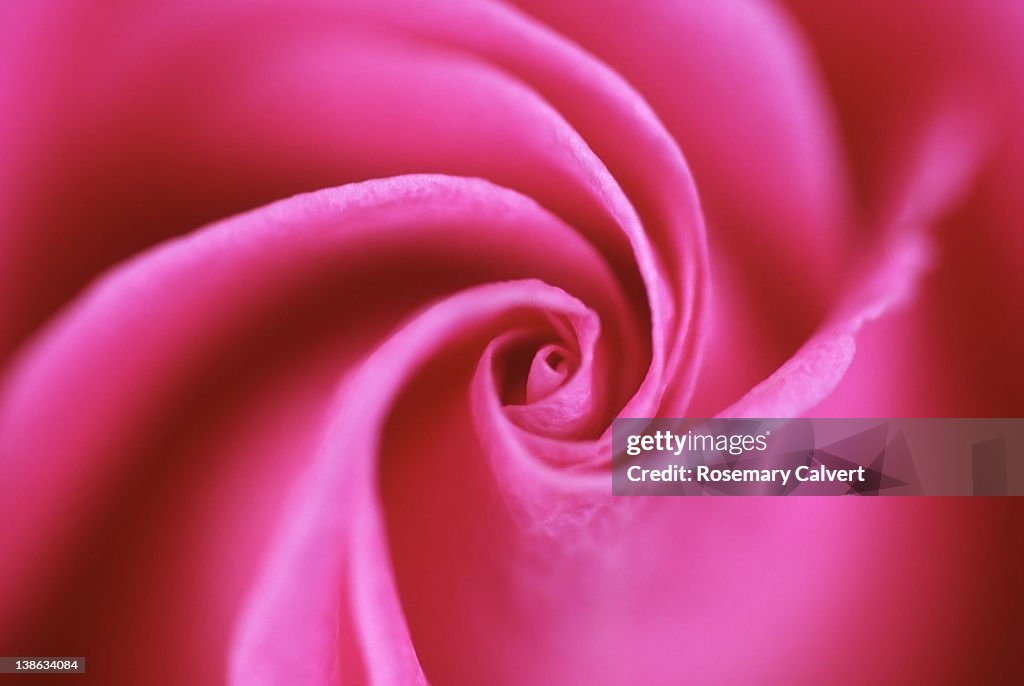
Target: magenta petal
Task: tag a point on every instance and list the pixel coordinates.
(938, 169)
(123, 353)
(333, 531)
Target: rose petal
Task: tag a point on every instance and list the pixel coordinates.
(139, 345)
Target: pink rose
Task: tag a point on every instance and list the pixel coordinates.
(314, 317)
